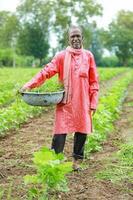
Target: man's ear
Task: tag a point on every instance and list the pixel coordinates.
(82, 41)
(68, 40)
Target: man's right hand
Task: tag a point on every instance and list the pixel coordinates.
(21, 90)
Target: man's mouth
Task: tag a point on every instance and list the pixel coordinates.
(76, 42)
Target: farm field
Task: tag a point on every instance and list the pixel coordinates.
(24, 129)
(14, 111)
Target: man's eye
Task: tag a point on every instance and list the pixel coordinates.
(73, 36)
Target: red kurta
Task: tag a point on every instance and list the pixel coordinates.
(73, 116)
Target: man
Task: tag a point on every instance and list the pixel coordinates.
(77, 71)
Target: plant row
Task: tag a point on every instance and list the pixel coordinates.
(108, 73)
(121, 170)
(50, 170)
(107, 112)
(18, 112)
(13, 79)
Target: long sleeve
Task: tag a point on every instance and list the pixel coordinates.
(94, 84)
(47, 72)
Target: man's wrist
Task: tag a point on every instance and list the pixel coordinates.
(93, 108)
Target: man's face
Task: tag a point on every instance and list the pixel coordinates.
(75, 38)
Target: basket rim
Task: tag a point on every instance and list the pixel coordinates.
(42, 93)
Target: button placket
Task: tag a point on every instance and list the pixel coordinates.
(77, 63)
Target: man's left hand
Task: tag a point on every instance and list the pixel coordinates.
(92, 112)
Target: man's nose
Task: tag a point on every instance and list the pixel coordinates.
(75, 37)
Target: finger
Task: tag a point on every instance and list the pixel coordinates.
(22, 90)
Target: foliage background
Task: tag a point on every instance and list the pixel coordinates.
(28, 36)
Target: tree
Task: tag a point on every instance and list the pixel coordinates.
(96, 44)
(55, 16)
(120, 36)
(9, 26)
(34, 16)
(32, 41)
(80, 12)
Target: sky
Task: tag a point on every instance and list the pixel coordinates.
(110, 9)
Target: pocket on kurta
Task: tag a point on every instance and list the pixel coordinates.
(83, 72)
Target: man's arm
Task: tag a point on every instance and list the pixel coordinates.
(94, 84)
(47, 72)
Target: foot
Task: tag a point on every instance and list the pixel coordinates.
(77, 165)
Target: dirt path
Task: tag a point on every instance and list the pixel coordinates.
(16, 152)
(84, 185)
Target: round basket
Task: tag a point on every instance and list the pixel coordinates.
(42, 99)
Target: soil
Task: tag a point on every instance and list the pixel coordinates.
(84, 185)
(17, 148)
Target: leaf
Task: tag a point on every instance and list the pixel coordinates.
(30, 179)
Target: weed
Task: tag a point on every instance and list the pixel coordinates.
(122, 170)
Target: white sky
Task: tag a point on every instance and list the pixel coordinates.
(111, 7)
(9, 4)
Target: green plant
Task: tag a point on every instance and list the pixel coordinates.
(122, 170)
(50, 174)
(125, 154)
(1, 193)
(8, 194)
(14, 111)
(107, 113)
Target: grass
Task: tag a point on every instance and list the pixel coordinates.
(119, 169)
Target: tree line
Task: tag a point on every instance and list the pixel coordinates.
(27, 34)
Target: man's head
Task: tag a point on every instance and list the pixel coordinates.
(75, 37)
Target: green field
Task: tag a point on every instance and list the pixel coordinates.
(13, 110)
(114, 83)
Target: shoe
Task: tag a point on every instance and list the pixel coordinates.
(77, 165)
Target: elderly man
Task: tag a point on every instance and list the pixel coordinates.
(76, 69)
